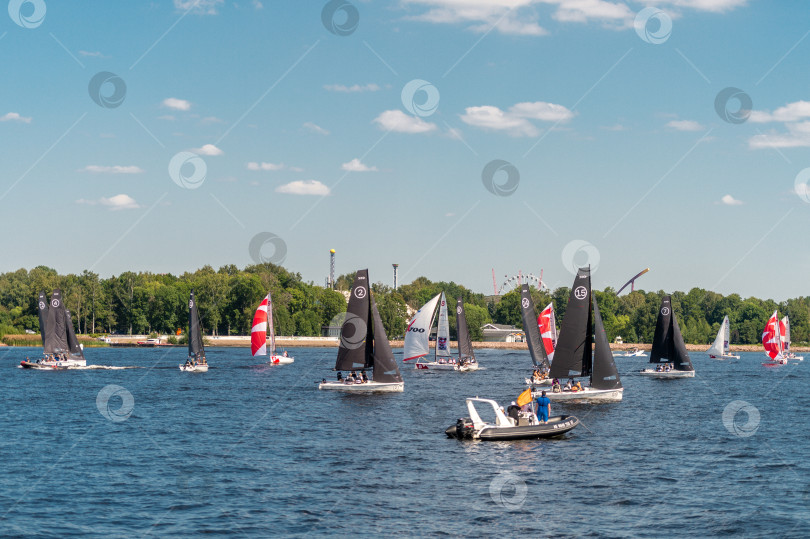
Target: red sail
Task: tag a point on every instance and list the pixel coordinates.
(772, 337)
(548, 330)
(258, 332)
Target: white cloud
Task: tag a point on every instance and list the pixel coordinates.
(396, 120)
(264, 166)
(92, 54)
(203, 7)
(15, 117)
(356, 166)
(515, 121)
(210, 120)
(352, 89)
(208, 149)
(257, 4)
(729, 200)
(716, 6)
(792, 112)
(798, 136)
(315, 128)
(176, 104)
(303, 187)
(685, 125)
(615, 13)
(511, 16)
(114, 203)
(114, 169)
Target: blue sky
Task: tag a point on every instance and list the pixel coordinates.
(606, 111)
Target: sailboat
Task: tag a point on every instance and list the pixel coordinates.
(60, 346)
(262, 325)
(196, 361)
(786, 341)
(466, 356)
(668, 346)
(547, 323)
(720, 349)
(417, 336)
(772, 342)
(537, 346)
(364, 346)
(583, 348)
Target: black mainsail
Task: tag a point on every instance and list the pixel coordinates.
(605, 375)
(668, 345)
(195, 341)
(42, 309)
(385, 366)
(573, 355)
(536, 347)
(465, 349)
(55, 332)
(356, 349)
(74, 347)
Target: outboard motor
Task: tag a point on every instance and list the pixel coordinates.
(463, 429)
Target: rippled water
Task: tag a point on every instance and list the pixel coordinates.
(259, 450)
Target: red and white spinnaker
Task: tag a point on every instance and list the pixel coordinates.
(772, 339)
(261, 329)
(547, 323)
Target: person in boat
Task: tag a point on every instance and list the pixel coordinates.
(569, 384)
(577, 386)
(351, 377)
(555, 386)
(340, 376)
(365, 377)
(543, 407)
(513, 411)
(188, 363)
(285, 354)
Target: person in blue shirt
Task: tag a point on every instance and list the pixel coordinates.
(543, 407)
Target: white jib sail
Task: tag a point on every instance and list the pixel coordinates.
(418, 332)
(443, 331)
(786, 336)
(726, 336)
(716, 348)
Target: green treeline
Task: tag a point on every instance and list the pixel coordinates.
(142, 303)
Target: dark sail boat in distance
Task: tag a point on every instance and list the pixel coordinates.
(668, 346)
(59, 343)
(466, 355)
(583, 349)
(364, 346)
(196, 361)
(536, 347)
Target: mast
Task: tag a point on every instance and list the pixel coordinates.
(465, 349)
(573, 355)
(356, 348)
(536, 347)
(195, 342)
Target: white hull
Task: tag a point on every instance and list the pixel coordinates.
(667, 375)
(544, 382)
(280, 360)
(725, 356)
(63, 363)
(365, 387)
(467, 368)
(587, 394)
(638, 353)
(194, 368)
(795, 358)
(434, 366)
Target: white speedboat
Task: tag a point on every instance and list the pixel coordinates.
(196, 361)
(667, 375)
(280, 360)
(535, 382)
(364, 346)
(363, 387)
(525, 426)
(794, 357)
(436, 365)
(467, 365)
(634, 353)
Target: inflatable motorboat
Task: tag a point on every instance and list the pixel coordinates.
(526, 426)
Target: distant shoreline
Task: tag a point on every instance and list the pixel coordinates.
(327, 342)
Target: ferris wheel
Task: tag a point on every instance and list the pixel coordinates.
(516, 280)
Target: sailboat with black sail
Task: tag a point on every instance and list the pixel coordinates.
(537, 349)
(583, 350)
(466, 355)
(364, 346)
(668, 349)
(60, 346)
(196, 361)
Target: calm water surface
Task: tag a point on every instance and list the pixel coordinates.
(258, 450)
